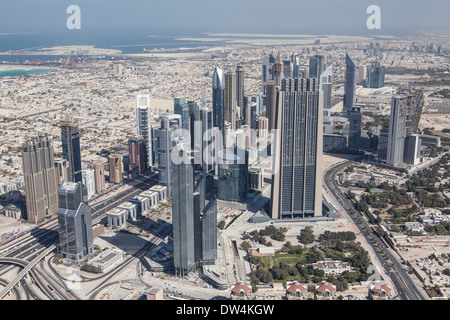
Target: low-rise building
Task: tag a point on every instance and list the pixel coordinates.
(331, 267)
(379, 290)
(153, 197)
(296, 291)
(131, 209)
(162, 191)
(142, 204)
(241, 291)
(155, 293)
(116, 218)
(106, 259)
(13, 211)
(325, 291)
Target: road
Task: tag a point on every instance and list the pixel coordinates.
(401, 279)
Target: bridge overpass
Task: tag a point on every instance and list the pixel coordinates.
(27, 266)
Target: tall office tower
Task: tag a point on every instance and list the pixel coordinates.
(263, 127)
(154, 146)
(287, 68)
(89, 182)
(166, 134)
(297, 178)
(136, 151)
(206, 117)
(233, 175)
(383, 144)
(271, 94)
(397, 129)
(259, 102)
(349, 85)
(361, 75)
(144, 127)
(278, 73)
(40, 177)
(326, 85)
(61, 170)
(316, 66)
(218, 88)
(204, 101)
(240, 76)
(99, 174)
(376, 75)
(355, 122)
(182, 108)
(115, 168)
(267, 71)
(70, 139)
(182, 181)
(411, 153)
(230, 99)
(194, 116)
(74, 221)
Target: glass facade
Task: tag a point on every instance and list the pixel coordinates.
(233, 175)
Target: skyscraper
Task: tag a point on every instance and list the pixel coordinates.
(166, 134)
(182, 181)
(206, 117)
(74, 222)
(297, 177)
(271, 92)
(70, 139)
(326, 86)
(40, 177)
(240, 75)
(233, 175)
(230, 99)
(181, 108)
(376, 75)
(136, 151)
(99, 174)
(144, 127)
(355, 122)
(349, 85)
(115, 168)
(218, 87)
(267, 71)
(397, 129)
(316, 66)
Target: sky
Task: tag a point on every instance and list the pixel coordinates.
(186, 17)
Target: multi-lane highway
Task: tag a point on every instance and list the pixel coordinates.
(32, 244)
(405, 286)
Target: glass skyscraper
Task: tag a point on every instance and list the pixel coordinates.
(218, 87)
(233, 175)
(349, 86)
(71, 150)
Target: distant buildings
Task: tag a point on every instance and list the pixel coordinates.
(376, 74)
(297, 178)
(74, 222)
(326, 86)
(316, 66)
(41, 179)
(240, 76)
(99, 174)
(230, 99)
(355, 123)
(70, 139)
(218, 87)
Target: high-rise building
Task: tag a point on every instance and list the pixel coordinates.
(349, 85)
(326, 85)
(218, 87)
(240, 76)
(383, 144)
(376, 75)
(233, 175)
(355, 122)
(267, 71)
(71, 150)
(206, 117)
(115, 168)
(263, 127)
(166, 134)
(61, 170)
(144, 127)
(182, 181)
(209, 231)
(297, 150)
(287, 68)
(278, 72)
(230, 99)
(74, 222)
(89, 182)
(411, 153)
(271, 93)
(40, 177)
(397, 129)
(136, 151)
(181, 108)
(99, 173)
(316, 66)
